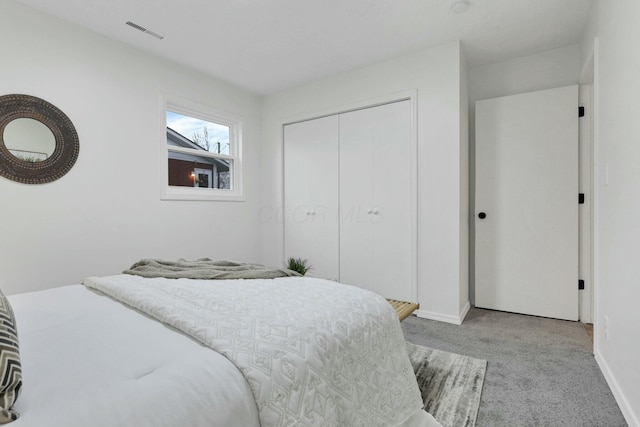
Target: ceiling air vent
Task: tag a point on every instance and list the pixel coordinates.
(144, 30)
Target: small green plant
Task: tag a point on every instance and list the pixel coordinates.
(298, 265)
(31, 159)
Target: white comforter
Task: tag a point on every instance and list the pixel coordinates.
(314, 352)
(89, 361)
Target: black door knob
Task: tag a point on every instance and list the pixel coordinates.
(482, 215)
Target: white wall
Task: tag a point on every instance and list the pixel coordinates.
(436, 75)
(545, 70)
(106, 213)
(617, 136)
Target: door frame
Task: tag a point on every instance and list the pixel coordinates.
(589, 250)
(586, 185)
(408, 95)
(588, 307)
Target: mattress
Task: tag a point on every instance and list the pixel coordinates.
(90, 361)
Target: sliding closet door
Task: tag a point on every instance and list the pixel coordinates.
(375, 200)
(311, 194)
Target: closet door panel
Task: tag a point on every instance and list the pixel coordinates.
(375, 200)
(391, 133)
(356, 193)
(311, 194)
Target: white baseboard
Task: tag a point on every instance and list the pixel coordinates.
(625, 407)
(447, 318)
(464, 311)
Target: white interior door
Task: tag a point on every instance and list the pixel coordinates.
(375, 200)
(311, 194)
(526, 251)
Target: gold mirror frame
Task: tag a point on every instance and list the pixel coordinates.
(64, 156)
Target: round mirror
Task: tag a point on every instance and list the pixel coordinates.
(38, 142)
(29, 140)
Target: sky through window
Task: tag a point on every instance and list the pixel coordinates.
(216, 135)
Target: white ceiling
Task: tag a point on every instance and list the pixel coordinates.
(270, 45)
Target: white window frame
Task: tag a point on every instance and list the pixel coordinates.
(209, 114)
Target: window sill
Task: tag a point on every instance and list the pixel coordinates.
(201, 194)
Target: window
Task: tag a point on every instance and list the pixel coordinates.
(202, 155)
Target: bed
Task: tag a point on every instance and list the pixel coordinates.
(126, 350)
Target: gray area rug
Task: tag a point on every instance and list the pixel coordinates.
(540, 373)
(451, 384)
